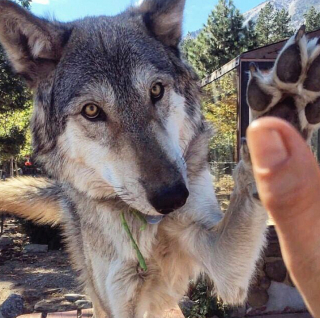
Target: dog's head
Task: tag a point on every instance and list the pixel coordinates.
(116, 108)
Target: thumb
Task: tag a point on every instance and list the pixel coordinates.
(287, 174)
(288, 181)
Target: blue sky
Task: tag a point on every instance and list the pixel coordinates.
(196, 12)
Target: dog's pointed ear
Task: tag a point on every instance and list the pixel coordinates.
(33, 45)
(164, 19)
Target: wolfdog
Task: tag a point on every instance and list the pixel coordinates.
(117, 124)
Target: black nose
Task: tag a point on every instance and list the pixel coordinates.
(169, 199)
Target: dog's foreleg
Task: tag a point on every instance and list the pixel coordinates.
(124, 284)
(239, 239)
(229, 250)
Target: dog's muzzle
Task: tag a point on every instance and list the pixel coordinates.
(169, 199)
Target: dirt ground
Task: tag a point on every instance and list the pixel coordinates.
(34, 276)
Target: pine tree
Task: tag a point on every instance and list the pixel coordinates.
(186, 45)
(281, 26)
(196, 51)
(312, 18)
(265, 25)
(225, 31)
(251, 37)
(15, 103)
(222, 39)
(13, 93)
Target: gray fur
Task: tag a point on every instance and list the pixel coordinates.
(110, 166)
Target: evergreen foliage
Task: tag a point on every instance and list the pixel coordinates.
(251, 37)
(312, 19)
(281, 26)
(15, 106)
(273, 25)
(265, 25)
(222, 38)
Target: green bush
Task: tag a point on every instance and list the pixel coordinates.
(206, 305)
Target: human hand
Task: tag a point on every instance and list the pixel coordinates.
(288, 182)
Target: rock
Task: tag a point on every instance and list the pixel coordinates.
(264, 283)
(186, 305)
(5, 242)
(276, 271)
(258, 297)
(238, 312)
(74, 297)
(31, 295)
(83, 304)
(54, 305)
(283, 297)
(52, 291)
(35, 248)
(13, 306)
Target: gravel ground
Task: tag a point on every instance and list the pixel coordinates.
(34, 276)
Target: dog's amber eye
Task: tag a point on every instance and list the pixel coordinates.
(93, 112)
(157, 91)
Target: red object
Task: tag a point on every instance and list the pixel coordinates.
(28, 163)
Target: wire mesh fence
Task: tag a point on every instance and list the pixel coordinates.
(220, 109)
(223, 181)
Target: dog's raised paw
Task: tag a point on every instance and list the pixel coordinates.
(232, 295)
(291, 90)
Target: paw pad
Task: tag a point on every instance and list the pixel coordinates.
(291, 90)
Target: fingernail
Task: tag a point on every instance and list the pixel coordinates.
(266, 147)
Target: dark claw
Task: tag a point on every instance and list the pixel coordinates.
(253, 68)
(256, 195)
(245, 153)
(301, 32)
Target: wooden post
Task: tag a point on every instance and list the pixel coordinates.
(2, 224)
(16, 167)
(11, 167)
